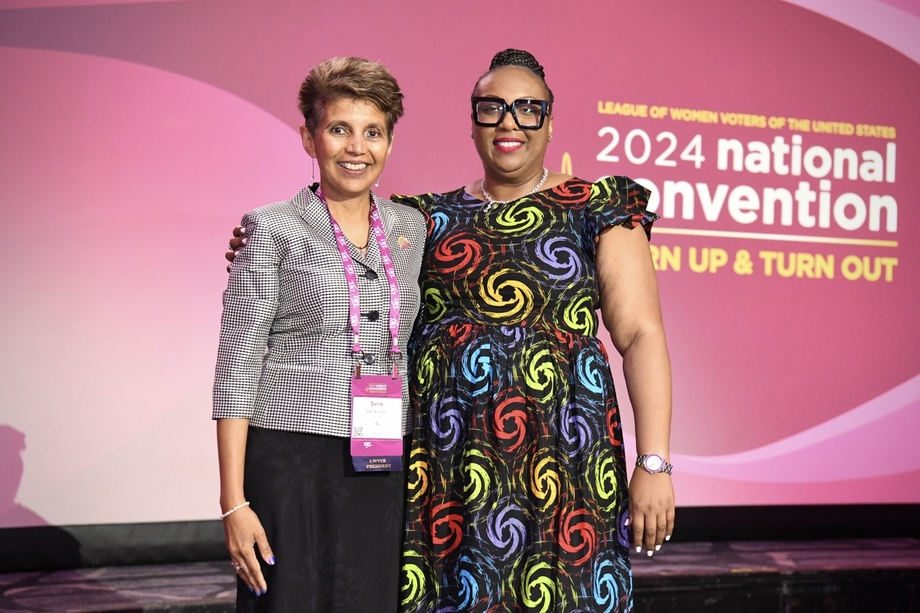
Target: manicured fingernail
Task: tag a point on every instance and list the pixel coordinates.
(667, 538)
(638, 549)
(251, 589)
(243, 230)
(657, 547)
(244, 240)
(649, 552)
(271, 560)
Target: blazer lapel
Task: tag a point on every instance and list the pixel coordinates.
(386, 214)
(314, 212)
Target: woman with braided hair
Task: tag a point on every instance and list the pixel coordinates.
(517, 494)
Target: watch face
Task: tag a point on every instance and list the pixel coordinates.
(653, 463)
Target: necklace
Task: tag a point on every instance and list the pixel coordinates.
(361, 250)
(492, 202)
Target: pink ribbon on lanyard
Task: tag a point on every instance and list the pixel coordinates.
(354, 299)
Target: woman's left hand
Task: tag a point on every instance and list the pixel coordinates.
(651, 510)
(632, 313)
(236, 243)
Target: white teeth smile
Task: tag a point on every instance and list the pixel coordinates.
(352, 166)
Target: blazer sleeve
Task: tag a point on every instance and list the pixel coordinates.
(250, 304)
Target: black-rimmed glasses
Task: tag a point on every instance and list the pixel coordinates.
(528, 114)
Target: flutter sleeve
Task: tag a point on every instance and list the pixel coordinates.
(620, 201)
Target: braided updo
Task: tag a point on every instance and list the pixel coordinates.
(517, 57)
(521, 59)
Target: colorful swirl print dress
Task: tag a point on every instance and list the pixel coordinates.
(517, 495)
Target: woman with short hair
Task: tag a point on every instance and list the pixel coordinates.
(321, 301)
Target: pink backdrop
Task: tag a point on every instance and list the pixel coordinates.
(134, 135)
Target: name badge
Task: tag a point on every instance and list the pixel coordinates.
(376, 422)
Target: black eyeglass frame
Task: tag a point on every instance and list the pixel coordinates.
(512, 106)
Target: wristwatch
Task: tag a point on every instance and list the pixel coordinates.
(653, 463)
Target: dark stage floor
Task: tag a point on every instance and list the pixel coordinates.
(846, 575)
(851, 575)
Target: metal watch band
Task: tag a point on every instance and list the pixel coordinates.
(665, 465)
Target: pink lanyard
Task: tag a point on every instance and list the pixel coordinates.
(354, 299)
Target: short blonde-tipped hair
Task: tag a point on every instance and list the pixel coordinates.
(349, 77)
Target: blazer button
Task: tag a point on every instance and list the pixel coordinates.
(369, 358)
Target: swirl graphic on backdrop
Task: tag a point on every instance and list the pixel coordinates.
(824, 452)
(515, 381)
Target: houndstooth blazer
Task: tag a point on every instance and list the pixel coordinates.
(285, 355)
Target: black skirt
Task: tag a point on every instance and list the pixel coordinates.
(336, 534)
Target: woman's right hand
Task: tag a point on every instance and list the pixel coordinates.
(244, 534)
(238, 241)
